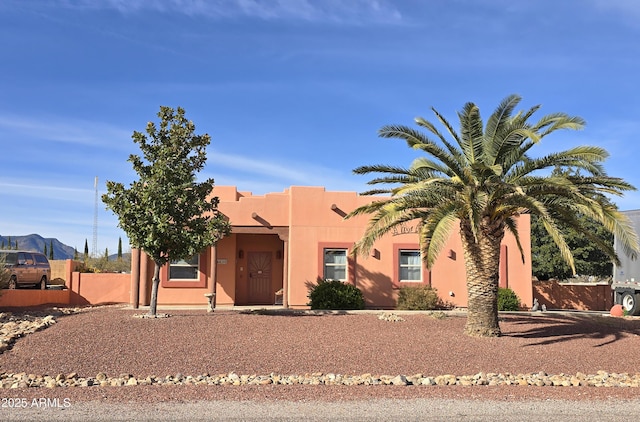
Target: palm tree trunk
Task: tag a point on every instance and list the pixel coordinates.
(153, 305)
(482, 264)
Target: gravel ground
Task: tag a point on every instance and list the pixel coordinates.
(193, 342)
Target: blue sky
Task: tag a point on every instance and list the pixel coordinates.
(292, 92)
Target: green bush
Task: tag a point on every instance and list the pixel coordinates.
(421, 298)
(334, 294)
(5, 275)
(104, 265)
(508, 300)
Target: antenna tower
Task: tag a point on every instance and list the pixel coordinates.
(94, 247)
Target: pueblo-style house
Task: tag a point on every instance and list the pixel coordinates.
(282, 242)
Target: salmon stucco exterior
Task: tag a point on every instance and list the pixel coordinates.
(282, 242)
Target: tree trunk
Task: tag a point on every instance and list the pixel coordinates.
(482, 264)
(153, 305)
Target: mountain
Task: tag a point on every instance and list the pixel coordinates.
(35, 242)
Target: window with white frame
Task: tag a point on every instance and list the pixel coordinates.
(410, 265)
(335, 264)
(185, 269)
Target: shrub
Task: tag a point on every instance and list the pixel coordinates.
(508, 300)
(334, 294)
(422, 298)
(104, 265)
(5, 275)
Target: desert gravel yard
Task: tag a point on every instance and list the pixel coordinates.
(110, 343)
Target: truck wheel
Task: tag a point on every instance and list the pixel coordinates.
(13, 283)
(43, 283)
(631, 303)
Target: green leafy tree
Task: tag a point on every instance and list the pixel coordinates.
(45, 252)
(481, 180)
(75, 254)
(591, 260)
(119, 248)
(166, 213)
(86, 250)
(51, 250)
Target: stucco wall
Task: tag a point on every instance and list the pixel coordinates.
(301, 221)
(31, 297)
(578, 296)
(100, 288)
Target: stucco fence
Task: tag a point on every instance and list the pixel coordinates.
(103, 288)
(578, 296)
(79, 289)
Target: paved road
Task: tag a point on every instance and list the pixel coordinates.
(374, 410)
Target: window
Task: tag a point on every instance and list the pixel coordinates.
(335, 264)
(185, 269)
(193, 272)
(410, 265)
(25, 258)
(41, 259)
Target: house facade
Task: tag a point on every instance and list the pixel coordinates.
(281, 243)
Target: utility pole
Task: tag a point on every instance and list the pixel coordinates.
(94, 248)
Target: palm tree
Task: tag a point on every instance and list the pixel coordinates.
(482, 180)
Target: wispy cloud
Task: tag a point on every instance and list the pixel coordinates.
(68, 131)
(68, 212)
(40, 192)
(339, 11)
(629, 10)
(268, 175)
(246, 164)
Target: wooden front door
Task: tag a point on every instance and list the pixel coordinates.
(259, 266)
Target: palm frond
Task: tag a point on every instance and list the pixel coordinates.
(448, 126)
(471, 131)
(387, 215)
(431, 127)
(512, 226)
(435, 231)
(376, 192)
(380, 168)
(552, 229)
(617, 223)
(433, 167)
(558, 121)
(500, 117)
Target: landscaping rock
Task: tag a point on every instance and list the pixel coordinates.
(600, 379)
(16, 326)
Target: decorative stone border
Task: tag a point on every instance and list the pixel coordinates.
(541, 379)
